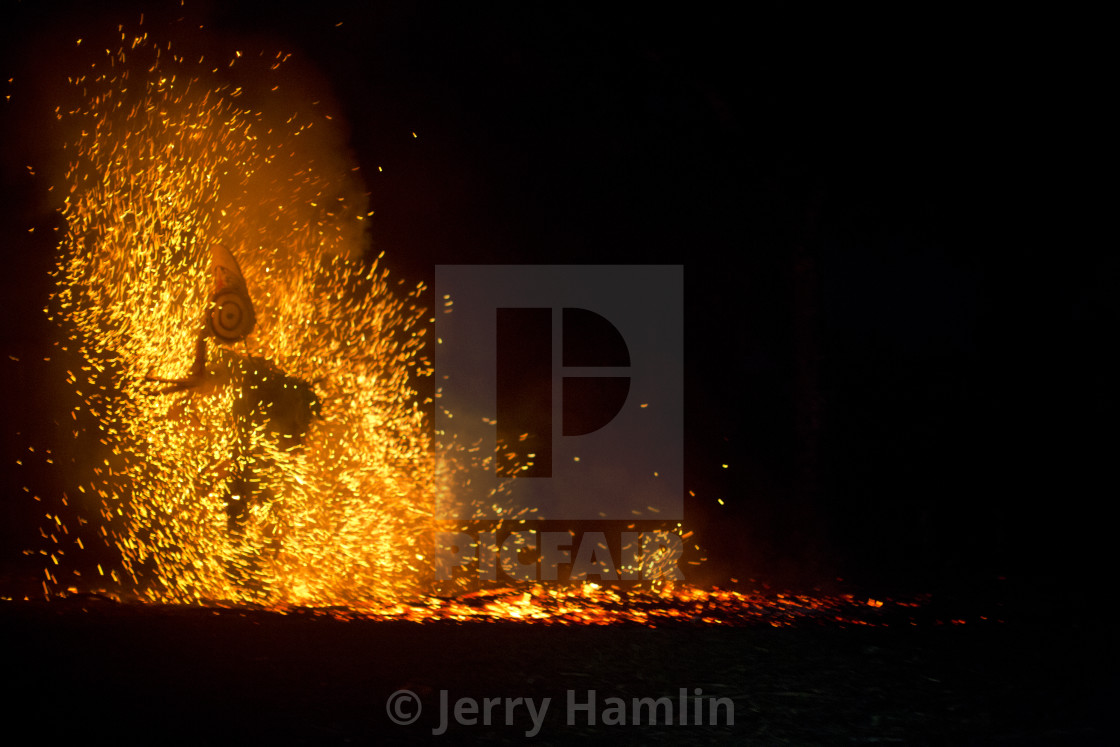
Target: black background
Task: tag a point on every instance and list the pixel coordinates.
(899, 313)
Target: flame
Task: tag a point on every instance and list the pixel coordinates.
(329, 510)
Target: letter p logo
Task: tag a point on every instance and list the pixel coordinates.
(560, 392)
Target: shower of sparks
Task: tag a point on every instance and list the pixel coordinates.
(163, 164)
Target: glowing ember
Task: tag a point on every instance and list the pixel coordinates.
(295, 469)
(595, 604)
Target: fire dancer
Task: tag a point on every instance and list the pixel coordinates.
(269, 402)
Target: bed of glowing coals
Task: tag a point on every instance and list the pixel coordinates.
(580, 604)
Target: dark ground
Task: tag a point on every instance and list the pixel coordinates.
(96, 671)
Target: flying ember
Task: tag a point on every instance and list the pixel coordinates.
(258, 436)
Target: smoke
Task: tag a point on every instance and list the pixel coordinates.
(57, 50)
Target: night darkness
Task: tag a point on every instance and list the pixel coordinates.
(899, 320)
